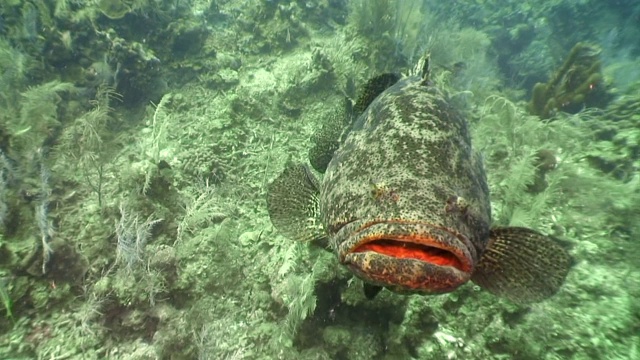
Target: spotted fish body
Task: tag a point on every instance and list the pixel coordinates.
(394, 184)
(404, 204)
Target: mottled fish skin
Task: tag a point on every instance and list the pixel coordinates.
(404, 202)
(407, 173)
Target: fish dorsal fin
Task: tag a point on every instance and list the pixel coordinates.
(423, 68)
(374, 87)
(327, 139)
(339, 122)
(294, 206)
(522, 265)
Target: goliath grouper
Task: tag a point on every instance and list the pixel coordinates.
(404, 202)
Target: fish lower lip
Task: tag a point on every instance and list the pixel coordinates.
(412, 250)
(405, 274)
(405, 255)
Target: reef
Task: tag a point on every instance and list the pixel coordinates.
(578, 84)
(617, 150)
(137, 138)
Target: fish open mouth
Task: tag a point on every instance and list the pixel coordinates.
(408, 256)
(411, 250)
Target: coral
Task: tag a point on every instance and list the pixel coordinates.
(250, 82)
(187, 37)
(577, 84)
(138, 71)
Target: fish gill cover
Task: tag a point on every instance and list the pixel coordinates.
(138, 139)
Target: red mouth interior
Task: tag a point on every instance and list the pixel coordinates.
(409, 250)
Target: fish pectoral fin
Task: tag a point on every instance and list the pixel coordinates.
(294, 206)
(522, 265)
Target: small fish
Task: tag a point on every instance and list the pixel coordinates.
(404, 202)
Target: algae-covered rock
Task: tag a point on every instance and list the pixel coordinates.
(349, 343)
(138, 73)
(616, 150)
(114, 9)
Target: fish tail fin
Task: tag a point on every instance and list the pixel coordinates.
(522, 265)
(294, 206)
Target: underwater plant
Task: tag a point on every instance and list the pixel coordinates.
(577, 84)
(6, 172)
(5, 298)
(38, 115)
(14, 65)
(132, 235)
(82, 142)
(42, 216)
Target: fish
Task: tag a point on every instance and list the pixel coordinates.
(404, 203)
